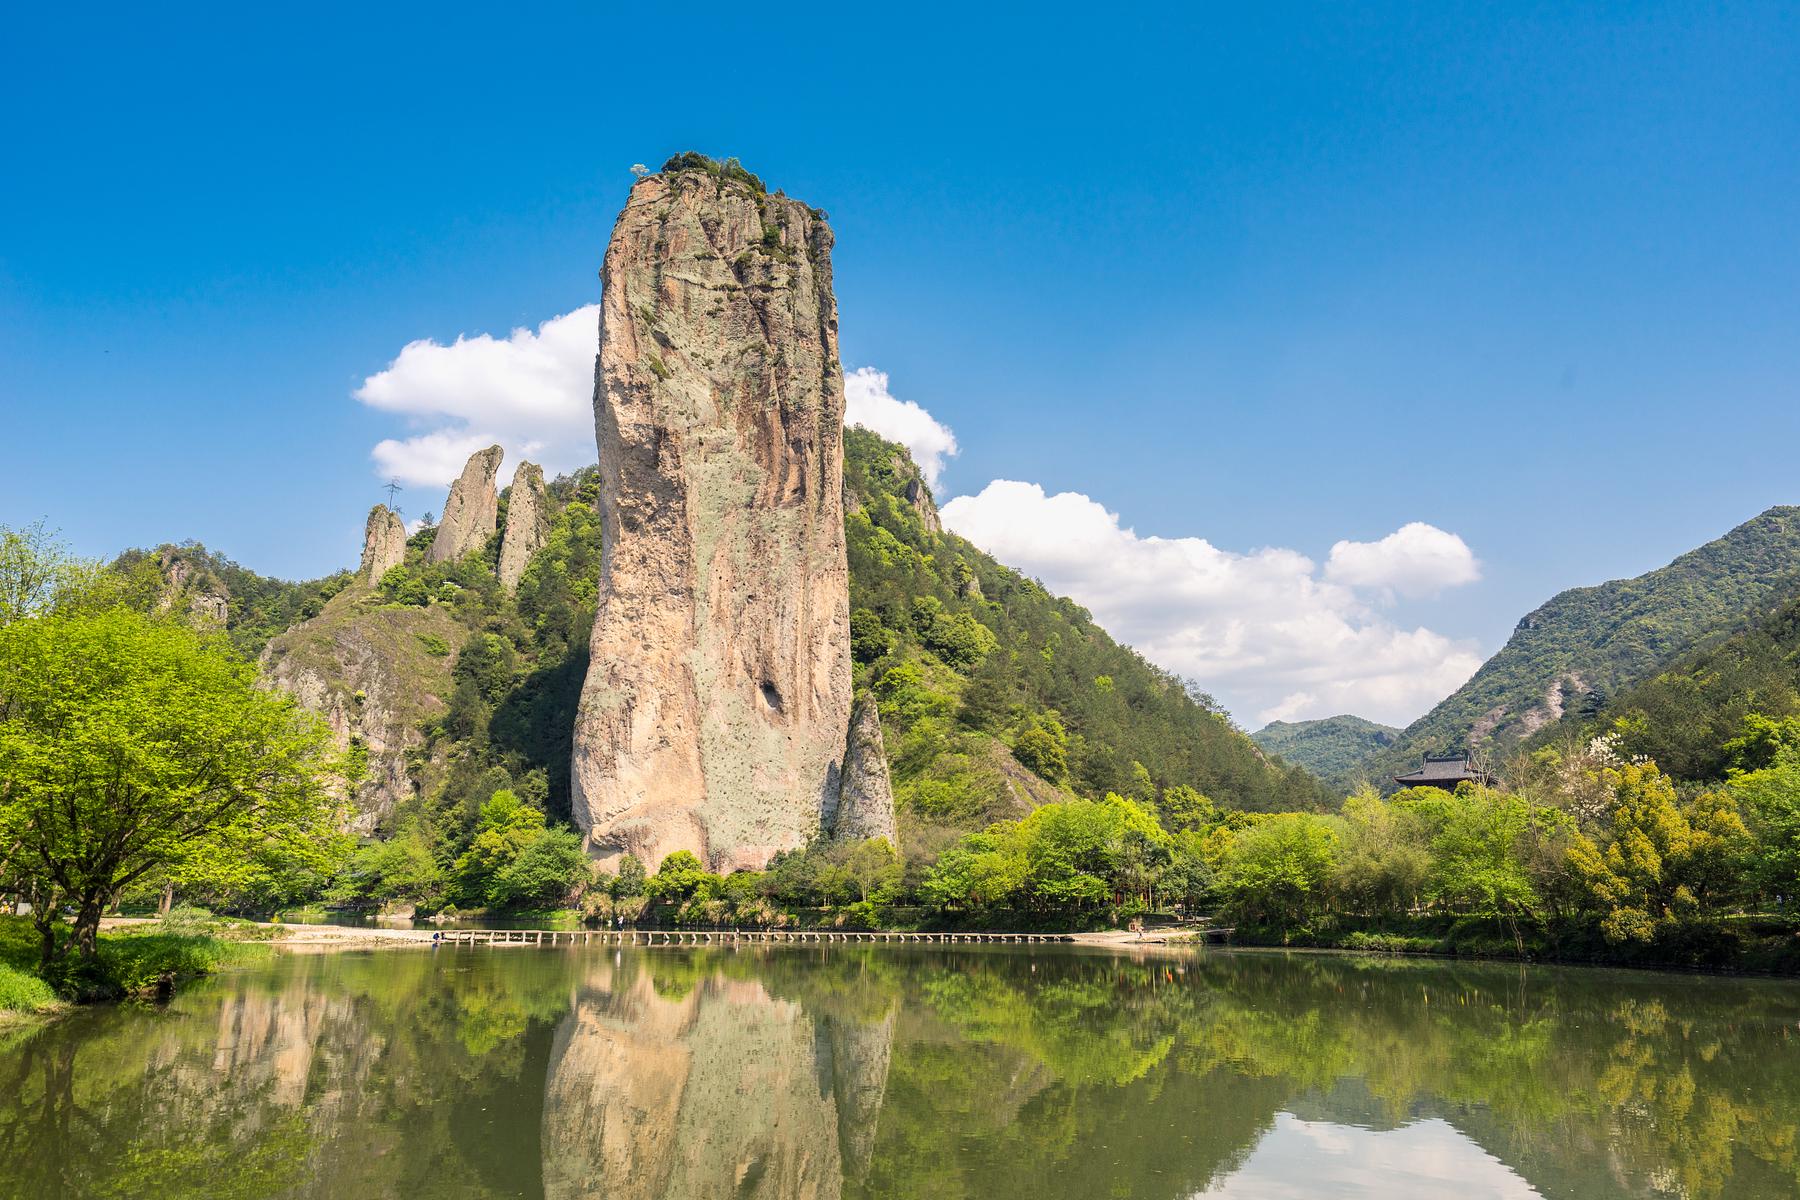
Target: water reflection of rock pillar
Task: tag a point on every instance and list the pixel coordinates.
(859, 1070)
(706, 1086)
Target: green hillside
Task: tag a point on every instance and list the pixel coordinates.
(1333, 748)
(1687, 717)
(1568, 658)
(979, 670)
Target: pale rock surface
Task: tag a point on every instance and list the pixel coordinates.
(717, 702)
(473, 510)
(384, 544)
(527, 524)
(865, 808)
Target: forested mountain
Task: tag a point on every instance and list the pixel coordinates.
(1333, 748)
(1569, 657)
(1691, 718)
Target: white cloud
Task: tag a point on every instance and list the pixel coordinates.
(867, 402)
(1266, 632)
(531, 392)
(1415, 560)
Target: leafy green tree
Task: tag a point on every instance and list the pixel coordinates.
(1043, 747)
(1386, 856)
(680, 877)
(542, 875)
(1771, 799)
(1184, 808)
(1280, 868)
(630, 880)
(36, 572)
(1664, 862)
(875, 868)
(399, 869)
(505, 828)
(130, 746)
(1481, 854)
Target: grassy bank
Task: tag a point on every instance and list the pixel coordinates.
(1761, 945)
(140, 960)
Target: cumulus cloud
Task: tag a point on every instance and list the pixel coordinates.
(530, 391)
(1268, 632)
(1415, 560)
(867, 402)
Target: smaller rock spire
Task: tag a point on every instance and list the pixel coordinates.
(527, 524)
(865, 806)
(384, 544)
(473, 510)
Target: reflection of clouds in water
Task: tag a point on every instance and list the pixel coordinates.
(1425, 1160)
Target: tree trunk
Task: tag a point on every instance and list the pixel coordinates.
(87, 925)
(168, 900)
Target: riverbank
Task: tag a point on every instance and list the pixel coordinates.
(132, 958)
(1742, 945)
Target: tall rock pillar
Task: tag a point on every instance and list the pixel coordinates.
(717, 703)
(384, 544)
(473, 510)
(527, 524)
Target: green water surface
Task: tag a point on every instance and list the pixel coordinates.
(847, 1071)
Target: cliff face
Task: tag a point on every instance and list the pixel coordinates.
(473, 510)
(384, 544)
(527, 523)
(715, 711)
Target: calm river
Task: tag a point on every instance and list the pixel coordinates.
(868, 1071)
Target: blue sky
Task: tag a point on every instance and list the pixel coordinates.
(1267, 276)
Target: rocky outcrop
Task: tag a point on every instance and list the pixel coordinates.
(473, 510)
(919, 496)
(527, 523)
(197, 591)
(717, 703)
(370, 671)
(384, 544)
(865, 807)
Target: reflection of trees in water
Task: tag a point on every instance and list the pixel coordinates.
(880, 1072)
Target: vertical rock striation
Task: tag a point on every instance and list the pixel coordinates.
(473, 509)
(715, 710)
(865, 806)
(527, 524)
(384, 544)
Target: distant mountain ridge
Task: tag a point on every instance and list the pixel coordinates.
(1569, 656)
(1333, 748)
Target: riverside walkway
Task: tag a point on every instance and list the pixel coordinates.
(702, 937)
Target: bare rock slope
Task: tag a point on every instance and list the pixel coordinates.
(716, 708)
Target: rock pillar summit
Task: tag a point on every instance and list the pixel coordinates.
(717, 704)
(384, 543)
